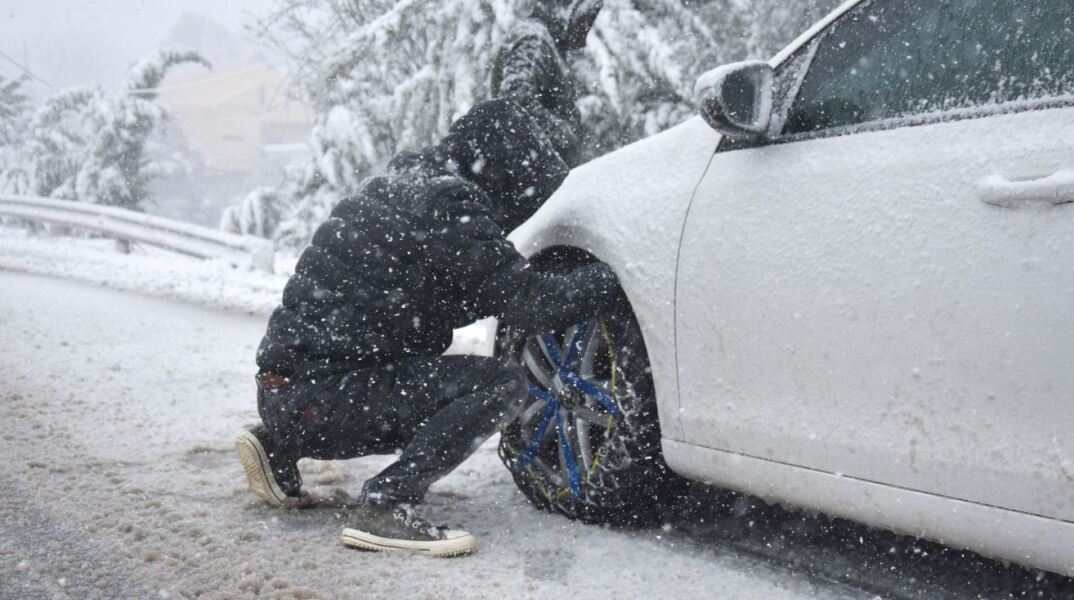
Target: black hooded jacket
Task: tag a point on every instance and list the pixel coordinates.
(422, 250)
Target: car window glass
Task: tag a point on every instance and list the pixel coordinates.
(901, 57)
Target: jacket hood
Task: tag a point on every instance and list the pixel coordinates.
(501, 149)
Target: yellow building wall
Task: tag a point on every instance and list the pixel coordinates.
(231, 117)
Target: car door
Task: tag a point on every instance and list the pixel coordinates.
(886, 289)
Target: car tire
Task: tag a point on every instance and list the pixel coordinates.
(594, 453)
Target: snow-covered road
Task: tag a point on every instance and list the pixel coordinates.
(118, 481)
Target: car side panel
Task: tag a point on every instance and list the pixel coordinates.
(850, 305)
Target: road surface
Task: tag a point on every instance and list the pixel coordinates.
(119, 481)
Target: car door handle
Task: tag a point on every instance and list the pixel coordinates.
(1057, 188)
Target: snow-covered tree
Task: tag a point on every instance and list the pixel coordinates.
(388, 75)
(56, 143)
(90, 145)
(644, 56)
(638, 72)
(116, 169)
(757, 29)
(384, 75)
(14, 120)
(258, 214)
(13, 108)
(306, 200)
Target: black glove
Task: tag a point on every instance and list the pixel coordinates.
(595, 290)
(554, 302)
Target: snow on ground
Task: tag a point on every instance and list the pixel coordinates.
(119, 479)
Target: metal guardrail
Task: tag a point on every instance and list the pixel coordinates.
(186, 238)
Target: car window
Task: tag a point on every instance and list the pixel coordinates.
(905, 57)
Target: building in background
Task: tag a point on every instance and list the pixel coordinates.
(243, 127)
(240, 120)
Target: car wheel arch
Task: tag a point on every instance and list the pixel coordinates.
(562, 257)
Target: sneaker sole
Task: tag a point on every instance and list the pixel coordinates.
(459, 546)
(259, 477)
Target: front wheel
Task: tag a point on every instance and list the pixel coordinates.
(588, 443)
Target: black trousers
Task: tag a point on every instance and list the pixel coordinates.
(435, 410)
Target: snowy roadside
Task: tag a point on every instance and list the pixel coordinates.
(162, 274)
(146, 270)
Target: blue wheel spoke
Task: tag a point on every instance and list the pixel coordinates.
(572, 350)
(574, 476)
(542, 394)
(551, 410)
(564, 365)
(589, 389)
(553, 352)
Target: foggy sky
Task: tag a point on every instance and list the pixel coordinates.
(70, 42)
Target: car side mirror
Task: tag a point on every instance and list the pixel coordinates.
(736, 99)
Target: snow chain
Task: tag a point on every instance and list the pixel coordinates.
(535, 477)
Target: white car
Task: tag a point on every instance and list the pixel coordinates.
(854, 291)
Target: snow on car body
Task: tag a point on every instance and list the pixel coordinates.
(871, 318)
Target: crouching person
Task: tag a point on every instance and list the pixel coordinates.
(351, 363)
